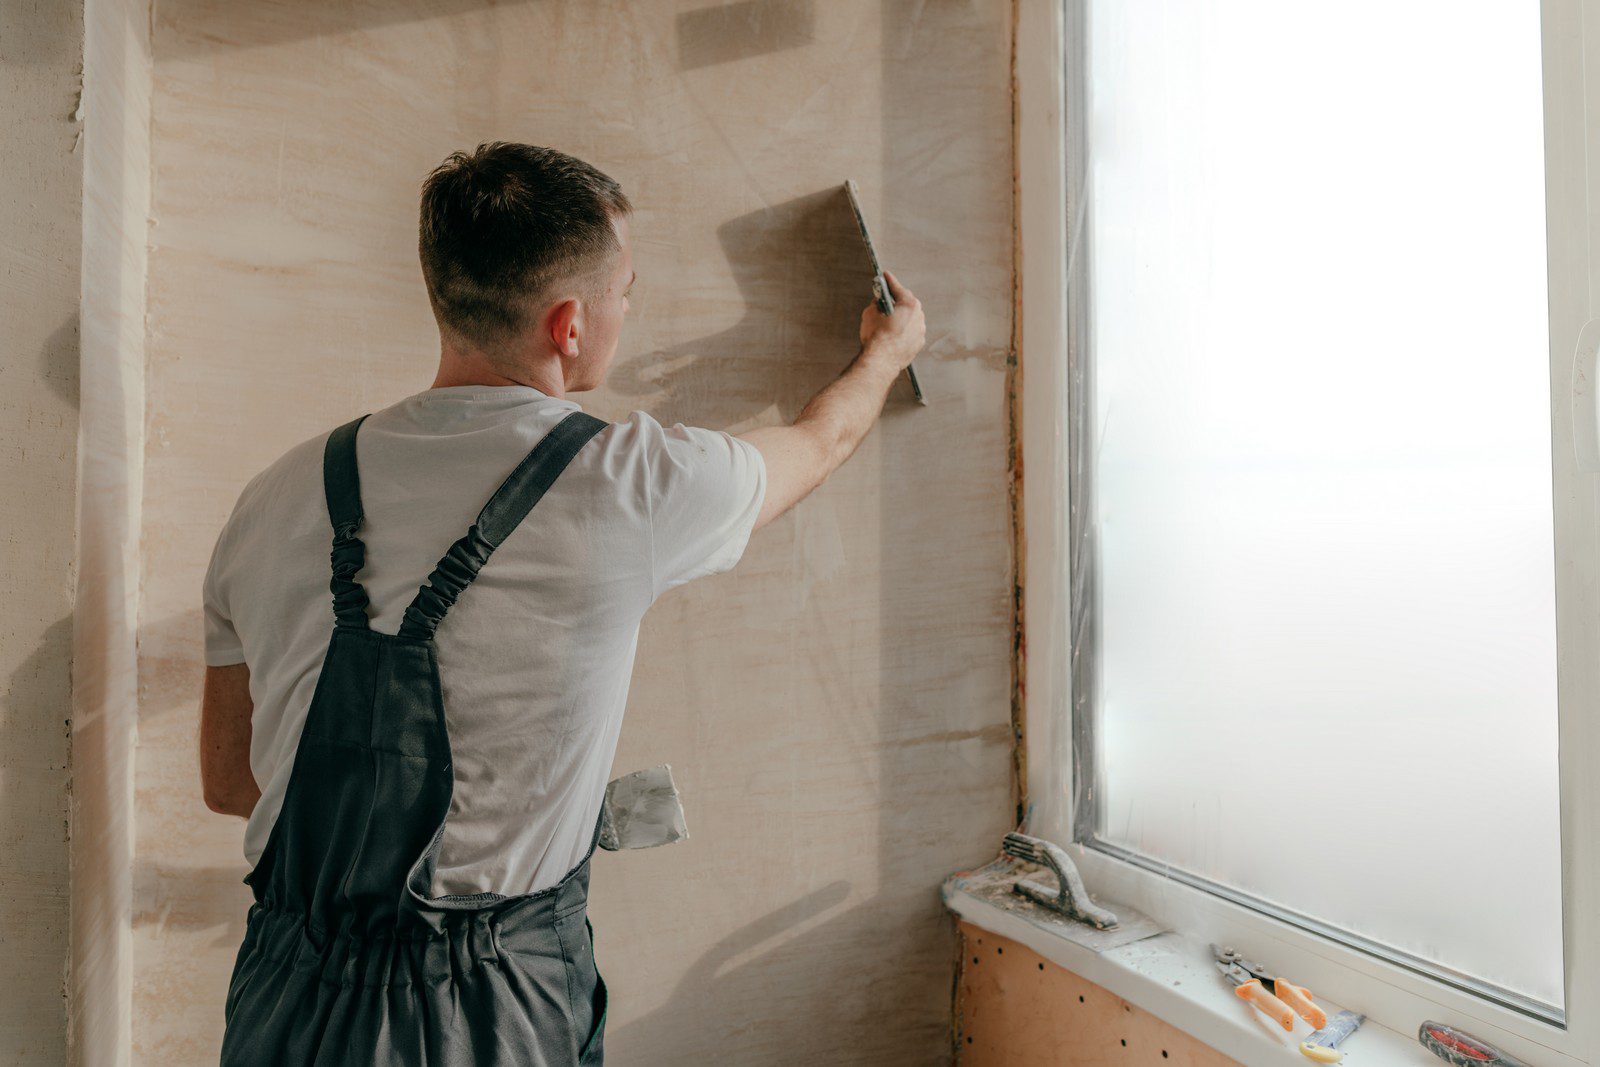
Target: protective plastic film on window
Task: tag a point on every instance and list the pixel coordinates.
(1313, 552)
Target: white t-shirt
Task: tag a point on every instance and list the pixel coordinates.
(536, 656)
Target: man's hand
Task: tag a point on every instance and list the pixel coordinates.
(897, 337)
(800, 457)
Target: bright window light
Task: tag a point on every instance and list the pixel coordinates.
(1321, 608)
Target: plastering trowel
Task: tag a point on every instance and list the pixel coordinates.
(642, 810)
(880, 288)
(1068, 897)
(1013, 885)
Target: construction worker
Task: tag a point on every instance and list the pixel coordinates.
(422, 768)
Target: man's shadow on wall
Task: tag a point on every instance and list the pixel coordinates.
(803, 279)
(737, 980)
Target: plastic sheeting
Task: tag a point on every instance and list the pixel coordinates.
(836, 710)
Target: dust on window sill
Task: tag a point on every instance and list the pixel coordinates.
(1166, 973)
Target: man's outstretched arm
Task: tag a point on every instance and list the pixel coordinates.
(800, 457)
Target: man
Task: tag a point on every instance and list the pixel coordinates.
(423, 768)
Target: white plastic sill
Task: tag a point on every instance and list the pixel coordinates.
(1172, 977)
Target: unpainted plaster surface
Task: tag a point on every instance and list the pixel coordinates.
(41, 55)
(836, 710)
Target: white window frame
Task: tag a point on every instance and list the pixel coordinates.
(1050, 220)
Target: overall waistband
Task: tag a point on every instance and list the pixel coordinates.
(348, 955)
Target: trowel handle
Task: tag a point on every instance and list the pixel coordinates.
(1269, 1005)
(1320, 1053)
(880, 290)
(885, 301)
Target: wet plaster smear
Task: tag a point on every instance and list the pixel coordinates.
(836, 709)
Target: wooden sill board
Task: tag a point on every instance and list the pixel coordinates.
(1014, 1007)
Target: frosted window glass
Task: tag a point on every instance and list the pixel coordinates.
(1321, 490)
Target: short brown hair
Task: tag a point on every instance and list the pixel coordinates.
(501, 224)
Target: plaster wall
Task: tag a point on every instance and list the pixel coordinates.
(837, 709)
(116, 203)
(41, 56)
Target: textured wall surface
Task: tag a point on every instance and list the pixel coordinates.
(837, 708)
(41, 55)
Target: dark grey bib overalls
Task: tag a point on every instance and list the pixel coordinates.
(347, 958)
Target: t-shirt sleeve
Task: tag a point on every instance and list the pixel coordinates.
(223, 646)
(705, 490)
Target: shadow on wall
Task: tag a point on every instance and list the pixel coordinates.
(738, 982)
(40, 35)
(803, 279)
(58, 361)
(725, 32)
(32, 692)
(178, 896)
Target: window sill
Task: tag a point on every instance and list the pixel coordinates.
(1172, 977)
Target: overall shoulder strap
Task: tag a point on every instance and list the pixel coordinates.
(341, 484)
(503, 513)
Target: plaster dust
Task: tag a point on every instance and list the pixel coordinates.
(836, 710)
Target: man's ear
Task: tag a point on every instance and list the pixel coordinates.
(566, 323)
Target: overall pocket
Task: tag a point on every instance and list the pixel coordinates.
(587, 995)
(594, 1048)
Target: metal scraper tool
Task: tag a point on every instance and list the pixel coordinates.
(642, 810)
(1323, 1046)
(880, 288)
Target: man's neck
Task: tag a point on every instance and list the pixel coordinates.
(461, 367)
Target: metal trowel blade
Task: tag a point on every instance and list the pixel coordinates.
(642, 810)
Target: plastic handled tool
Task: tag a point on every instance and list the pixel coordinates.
(1462, 1049)
(880, 288)
(1068, 896)
(1323, 1046)
(1277, 999)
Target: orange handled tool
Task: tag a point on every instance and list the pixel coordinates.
(1271, 1006)
(1299, 999)
(1279, 1000)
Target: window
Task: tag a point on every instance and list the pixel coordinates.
(1315, 621)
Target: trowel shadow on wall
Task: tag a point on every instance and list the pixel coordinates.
(803, 281)
(725, 32)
